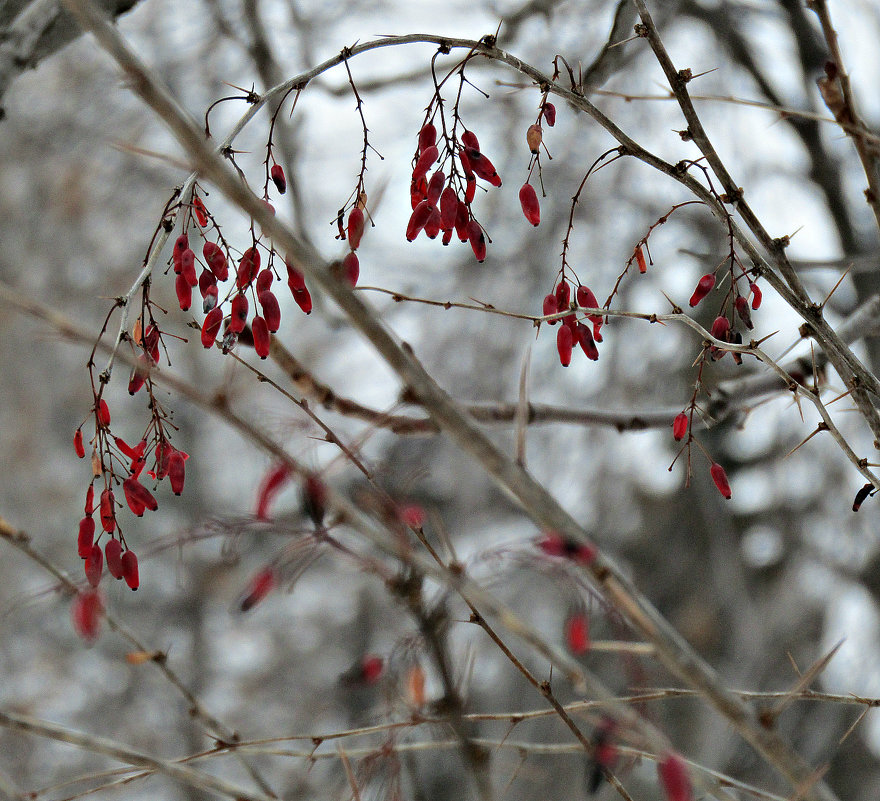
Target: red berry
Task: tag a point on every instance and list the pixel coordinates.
(426, 161)
(94, 565)
(262, 339)
(482, 167)
(432, 227)
(469, 139)
(679, 426)
(549, 112)
(103, 413)
(277, 176)
(742, 309)
(674, 777)
(411, 515)
(720, 328)
(180, 245)
(640, 260)
(271, 309)
(90, 500)
(756, 296)
(200, 211)
(528, 199)
(86, 614)
(704, 287)
(427, 137)
(418, 219)
(303, 299)
(113, 554)
(351, 269)
(551, 306)
(448, 208)
(264, 280)
(184, 292)
(211, 326)
(435, 186)
(138, 497)
(239, 315)
(86, 537)
(371, 668)
(130, 570)
(586, 341)
(563, 295)
(477, 240)
(720, 479)
(470, 189)
(861, 495)
(78, 443)
(176, 472)
(564, 343)
(270, 486)
(356, 223)
(215, 258)
(261, 585)
(295, 279)
(248, 267)
(188, 267)
(108, 511)
(577, 633)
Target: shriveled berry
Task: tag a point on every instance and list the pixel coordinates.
(90, 500)
(742, 309)
(130, 570)
(207, 280)
(78, 445)
(704, 287)
(277, 176)
(113, 554)
(533, 138)
(212, 295)
(549, 112)
(861, 495)
(679, 426)
(528, 199)
(139, 374)
(720, 479)
(315, 499)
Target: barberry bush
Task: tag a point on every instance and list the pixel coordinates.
(484, 412)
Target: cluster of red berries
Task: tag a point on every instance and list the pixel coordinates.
(572, 331)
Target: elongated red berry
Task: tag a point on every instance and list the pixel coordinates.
(528, 199)
(550, 306)
(757, 295)
(78, 445)
(248, 267)
(200, 211)
(239, 315)
(720, 327)
(113, 554)
(108, 511)
(351, 269)
(85, 613)
(130, 570)
(482, 167)
(211, 326)
(427, 137)
(277, 176)
(184, 292)
(469, 139)
(704, 287)
(103, 413)
(264, 280)
(742, 309)
(674, 777)
(94, 565)
(477, 239)
(262, 338)
(679, 426)
(418, 191)
(470, 189)
(272, 483)
(86, 537)
(585, 340)
(215, 258)
(448, 208)
(176, 471)
(418, 219)
(640, 260)
(720, 479)
(261, 585)
(577, 633)
(207, 280)
(188, 267)
(432, 227)
(356, 223)
(426, 161)
(180, 245)
(303, 299)
(563, 295)
(564, 342)
(295, 279)
(271, 309)
(549, 112)
(462, 218)
(90, 500)
(435, 186)
(138, 497)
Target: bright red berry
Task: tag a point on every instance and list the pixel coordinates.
(469, 139)
(248, 267)
(756, 296)
(577, 633)
(303, 299)
(200, 211)
(679, 426)
(356, 224)
(564, 343)
(239, 315)
(103, 413)
(277, 176)
(271, 309)
(528, 199)
(640, 260)
(78, 445)
(435, 187)
(351, 269)
(550, 306)
(272, 483)
(704, 287)
(477, 239)
(674, 777)
(211, 326)
(108, 511)
(418, 219)
(426, 161)
(720, 479)
(262, 338)
(86, 537)
(427, 137)
(130, 570)
(113, 554)
(215, 258)
(184, 292)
